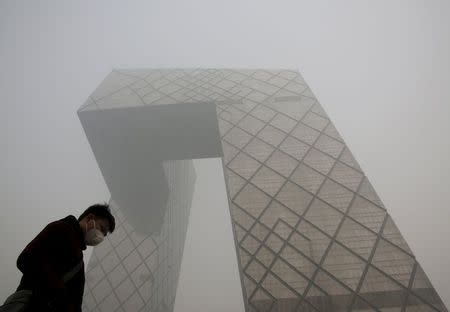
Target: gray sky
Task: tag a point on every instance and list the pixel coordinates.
(209, 274)
(380, 69)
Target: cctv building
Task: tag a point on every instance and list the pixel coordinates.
(309, 231)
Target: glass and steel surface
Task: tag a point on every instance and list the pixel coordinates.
(309, 230)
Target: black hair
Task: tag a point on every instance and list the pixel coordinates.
(101, 211)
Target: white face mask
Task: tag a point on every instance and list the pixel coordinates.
(93, 236)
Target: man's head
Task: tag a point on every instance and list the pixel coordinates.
(96, 221)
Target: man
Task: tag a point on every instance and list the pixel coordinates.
(52, 263)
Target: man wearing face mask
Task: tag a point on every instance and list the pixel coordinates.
(52, 263)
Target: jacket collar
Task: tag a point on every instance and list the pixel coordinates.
(77, 228)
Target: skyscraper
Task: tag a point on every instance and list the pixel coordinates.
(311, 233)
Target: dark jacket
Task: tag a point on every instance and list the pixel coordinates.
(44, 261)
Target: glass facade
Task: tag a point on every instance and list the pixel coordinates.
(138, 271)
(311, 233)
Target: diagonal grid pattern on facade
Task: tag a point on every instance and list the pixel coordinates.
(311, 233)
